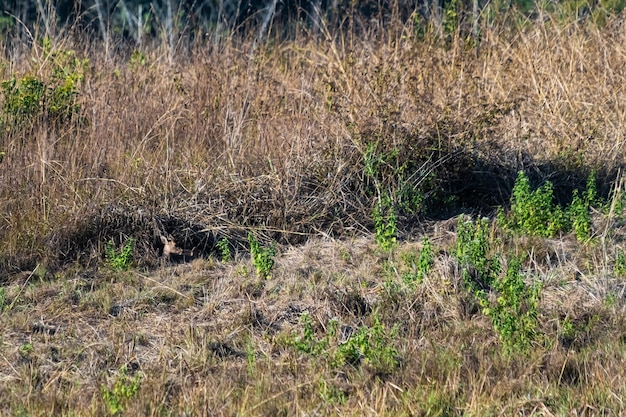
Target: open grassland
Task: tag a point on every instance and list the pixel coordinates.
(356, 152)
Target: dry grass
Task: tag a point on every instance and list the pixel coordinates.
(208, 338)
(232, 138)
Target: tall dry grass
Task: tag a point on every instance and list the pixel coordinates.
(235, 134)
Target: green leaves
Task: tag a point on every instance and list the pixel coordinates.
(506, 299)
(263, 257)
(51, 93)
(119, 260)
(535, 213)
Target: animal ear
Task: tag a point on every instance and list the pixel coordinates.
(164, 240)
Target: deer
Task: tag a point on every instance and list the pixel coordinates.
(171, 252)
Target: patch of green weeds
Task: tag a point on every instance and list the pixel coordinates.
(262, 257)
(611, 299)
(385, 228)
(137, 59)
(568, 329)
(535, 213)
(223, 248)
(515, 311)
(124, 389)
(250, 357)
(308, 343)
(119, 260)
(3, 295)
(506, 299)
(26, 349)
(478, 267)
(370, 345)
(53, 94)
(22, 97)
(396, 188)
(450, 17)
(418, 265)
(373, 345)
(579, 210)
(330, 394)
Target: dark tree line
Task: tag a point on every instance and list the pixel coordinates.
(136, 18)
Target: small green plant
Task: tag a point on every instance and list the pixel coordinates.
(419, 266)
(514, 314)
(385, 224)
(534, 212)
(307, 343)
(620, 264)
(512, 306)
(3, 295)
(478, 267)
(373, 345)
(137, 59)
(263, 257)
(251, 357)
(124, 389)
(224, 250)
(22, 98)
(26, 349)
(450, 17)
(331, 394)
(395, 188)
(580, 208)
(119, 260)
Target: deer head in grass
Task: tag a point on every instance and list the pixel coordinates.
(171, 252)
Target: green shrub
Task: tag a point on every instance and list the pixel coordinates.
(418, 265)
(535, 213)
(52, 94)
(224, 250)
(511, 305)
(370, 345)
(119, 260)
(385, 228)
(478, 267)
(514, 313)
(124, 388)
(263, 257)
(373, 345)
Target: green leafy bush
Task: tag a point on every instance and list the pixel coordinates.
(51, 94)
(478, 267)
(511, 305)
(263, 257)
(385, 228)
(535, 213)
(224, 250)
(370, 345)
(418, 265)
(119, 260)
(514, 313)
(124, 388)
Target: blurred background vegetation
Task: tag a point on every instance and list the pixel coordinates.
(144, 20)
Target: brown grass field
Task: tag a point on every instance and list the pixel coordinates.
(299, 141)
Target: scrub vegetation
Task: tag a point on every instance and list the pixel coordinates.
(386, 216)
